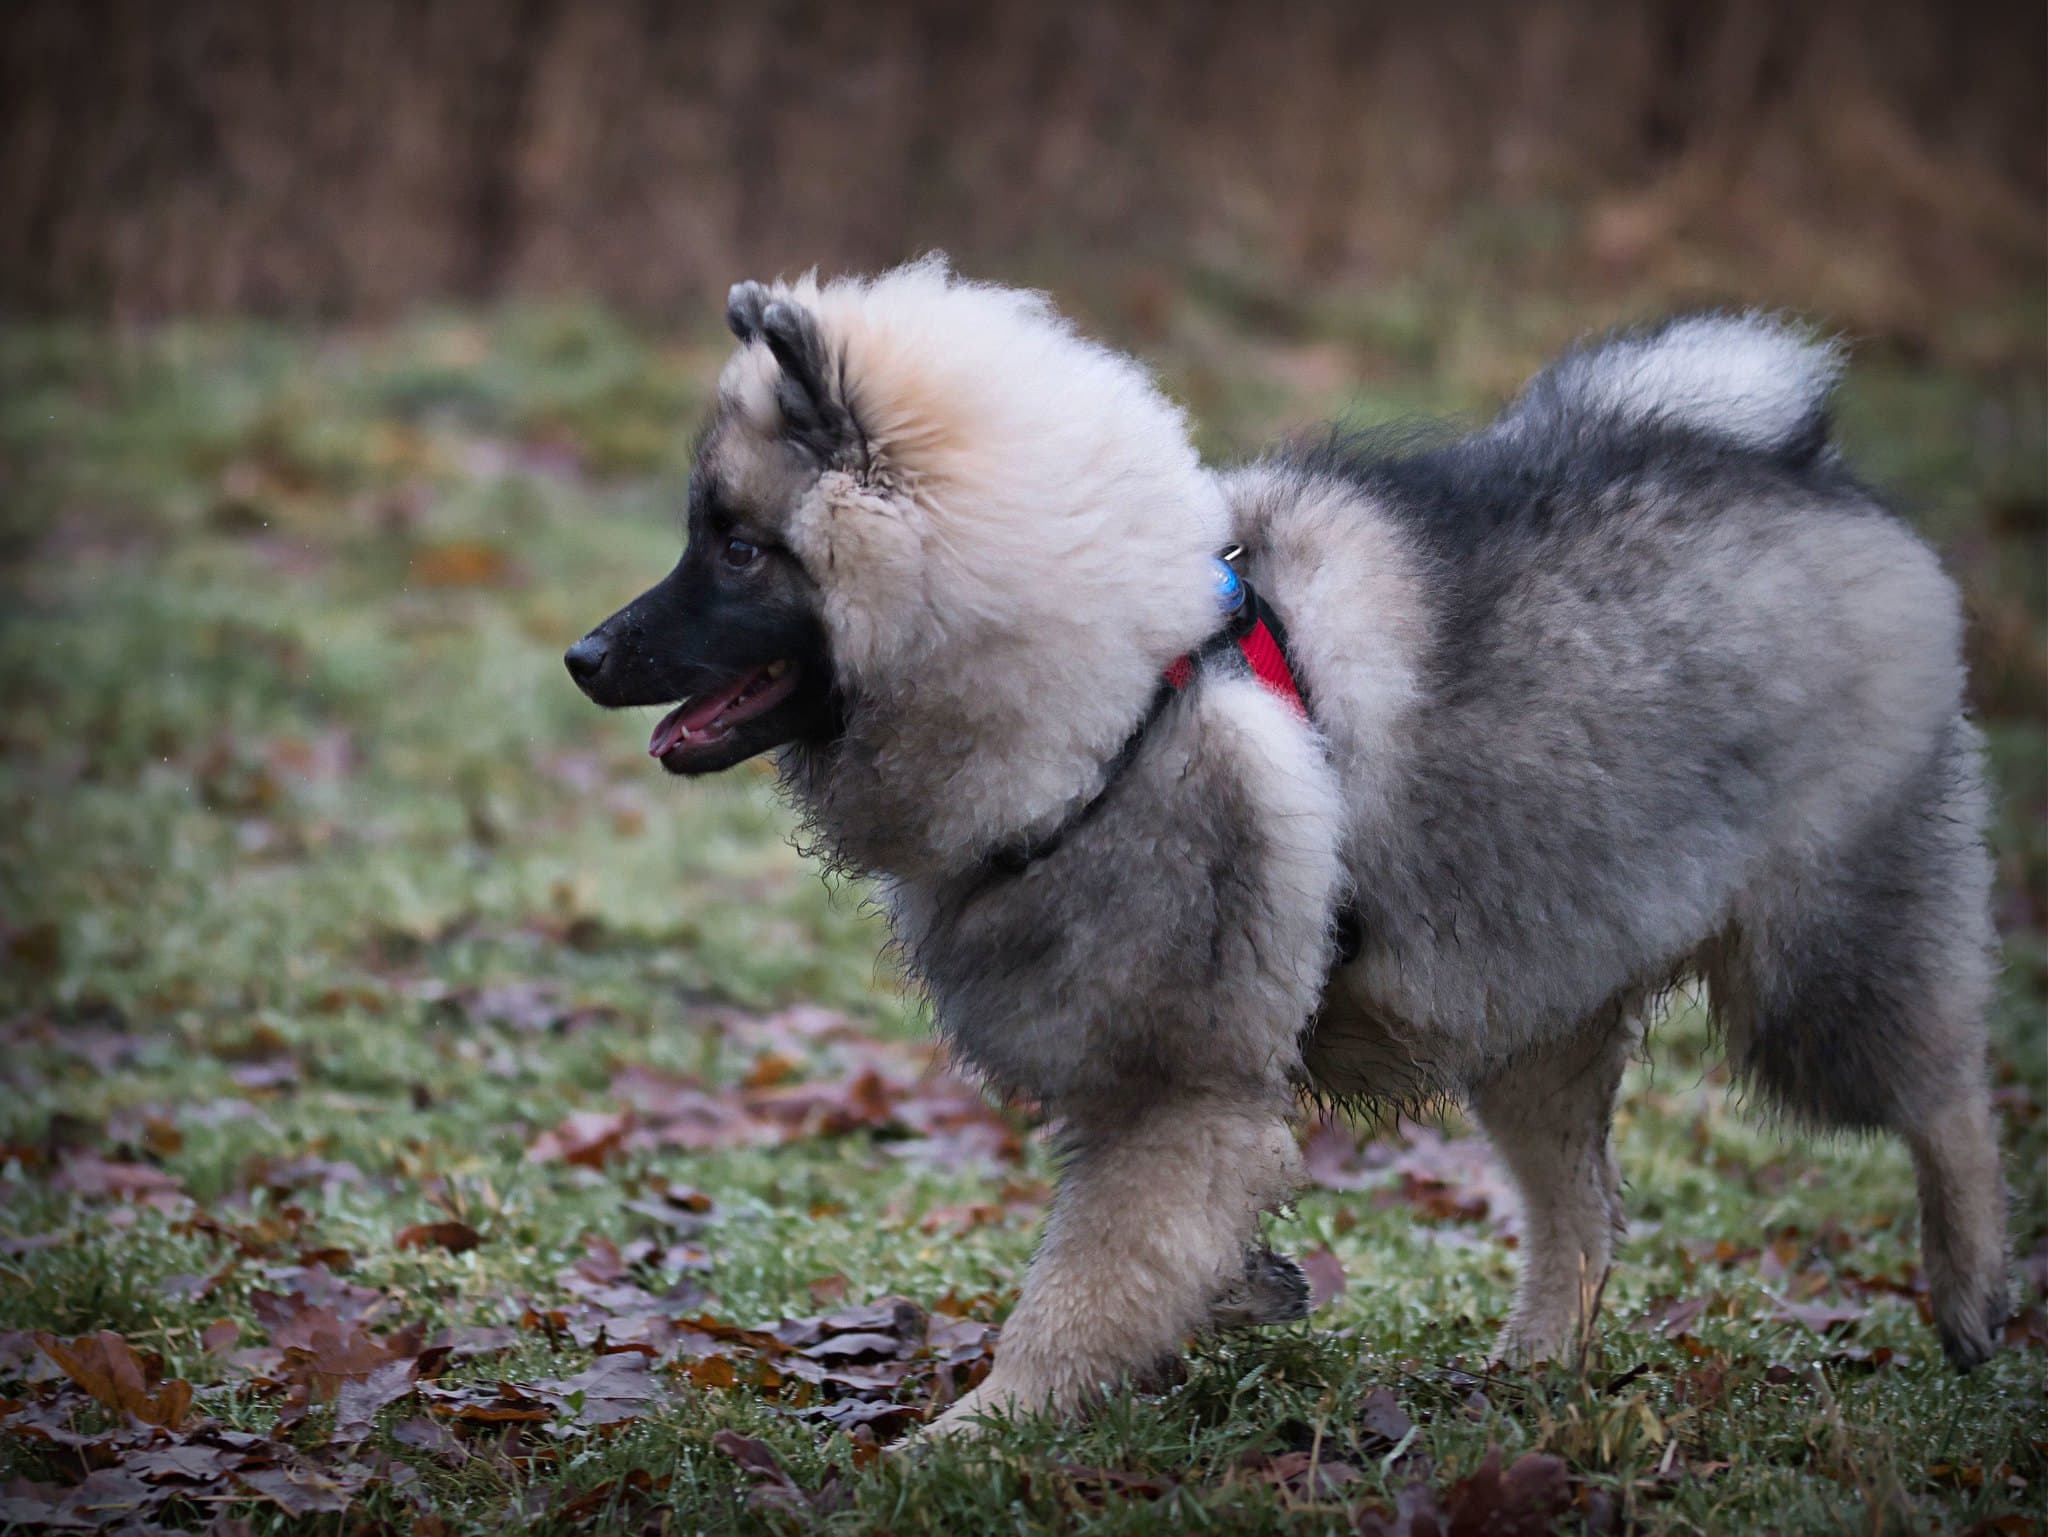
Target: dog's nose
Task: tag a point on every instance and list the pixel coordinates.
(585, 659)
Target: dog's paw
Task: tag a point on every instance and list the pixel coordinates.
(1273, 1290)
(972, 1417)
(1532, 1342)
(1970, 1322)
(1005, 1396)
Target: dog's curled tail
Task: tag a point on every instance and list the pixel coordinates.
(1751, 379)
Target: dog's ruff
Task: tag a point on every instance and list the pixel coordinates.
(1634, 683)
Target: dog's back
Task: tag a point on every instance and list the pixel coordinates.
(1665, 641)
(1640, 681)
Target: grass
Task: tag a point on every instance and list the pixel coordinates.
(291, 772)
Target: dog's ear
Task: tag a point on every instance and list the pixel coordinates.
(743, 306)
(809, 390)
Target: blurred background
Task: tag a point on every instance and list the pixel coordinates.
(1880, 161)
(349, 360)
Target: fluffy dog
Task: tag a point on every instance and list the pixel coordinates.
(1637, 683)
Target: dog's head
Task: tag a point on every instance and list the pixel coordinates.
(912, 485)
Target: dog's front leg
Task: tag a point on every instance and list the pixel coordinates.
(1148, 1228)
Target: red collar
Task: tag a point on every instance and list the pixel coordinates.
(1254, 632)
(1261, 639)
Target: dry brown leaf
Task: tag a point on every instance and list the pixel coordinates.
(1527, 1499)
(1673, 1317)
(455, 1237)
(106, 1366)
(101, 1179)
(1820, 1317)
(462, 563)
(587, 1139)
(614, 1390)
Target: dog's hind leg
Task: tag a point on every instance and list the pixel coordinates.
(1151, 1224)
(1962, 1217)
(1852, 992)
(1548, 1116)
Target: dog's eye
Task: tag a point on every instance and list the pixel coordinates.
(738, 552)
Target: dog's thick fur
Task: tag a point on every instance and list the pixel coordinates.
(1635, 683)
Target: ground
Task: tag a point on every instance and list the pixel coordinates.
(417, 1113)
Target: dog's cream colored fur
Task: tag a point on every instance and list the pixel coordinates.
(1705, 716)
(976, 565)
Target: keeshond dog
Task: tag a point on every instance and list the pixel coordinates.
(1380, 773)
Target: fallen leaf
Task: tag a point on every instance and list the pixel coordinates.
(757, 1457)
(455, 1237)
(2009, 1525)
(479, 1406)
(311, 1286)
(852, 1345)
(472, 1342)
(1672, 1317)
(267, 1076)
(104, 1497)
(713, 1372)
(1325, 1274)
(359, 1399)
(290, 1175)
(304, 1490)
(1523, 1501)
(2034, 1267)
(100, 1179)
(38, 1507)
(1098, 1486)
(37, 948)
(1301, 1475)
(610, 1499)
(1706, 1384)
(106, 1366)
(773, 1488)
(682, 1210)
(769, 1069)
(615, 1389)
(462, 563)
(1863, 1357)
(2027, 1329)
(189, 1463)
(1334, 1160)
(1820, 1317)
(1382, 1422)
(587, 1139)
(425, 1433)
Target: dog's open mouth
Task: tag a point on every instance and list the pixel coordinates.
(704, 722)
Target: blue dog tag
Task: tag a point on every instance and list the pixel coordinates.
(1229, 588)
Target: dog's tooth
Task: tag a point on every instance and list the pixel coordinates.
(777, 669)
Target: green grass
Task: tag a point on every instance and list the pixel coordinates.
(289, 759)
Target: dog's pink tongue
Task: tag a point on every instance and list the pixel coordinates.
(693, 715)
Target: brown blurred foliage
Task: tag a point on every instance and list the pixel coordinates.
(1870, 157)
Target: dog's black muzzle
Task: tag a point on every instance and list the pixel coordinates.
(747, 670)
(642, 654)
